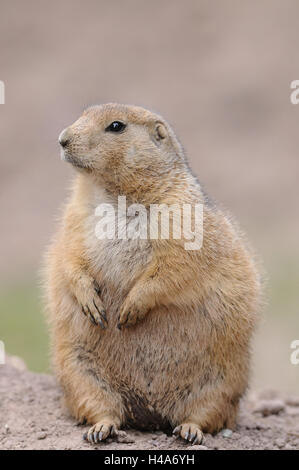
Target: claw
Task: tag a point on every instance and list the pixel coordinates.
(100, 436)
(97, 288)
(84, 437)
(177, 430)
(120, 325)
(91, 315)
(103, 314)
(198, 439)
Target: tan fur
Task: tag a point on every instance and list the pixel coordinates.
(182, 355)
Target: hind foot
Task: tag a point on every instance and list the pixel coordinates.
(190, 432)
(100, 431)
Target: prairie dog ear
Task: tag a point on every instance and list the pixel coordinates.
(161, 131)
(158, 131)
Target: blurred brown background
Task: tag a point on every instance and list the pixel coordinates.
(219, 71)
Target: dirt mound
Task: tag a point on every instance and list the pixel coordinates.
(31, 417)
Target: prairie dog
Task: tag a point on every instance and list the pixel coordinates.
(146, 333)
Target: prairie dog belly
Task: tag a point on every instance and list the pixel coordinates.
(151, 367)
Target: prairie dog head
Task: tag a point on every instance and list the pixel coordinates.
(123, 147)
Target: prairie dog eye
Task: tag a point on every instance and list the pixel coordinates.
(115, 126)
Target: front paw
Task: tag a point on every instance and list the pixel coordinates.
(88, 297)
(132, 311)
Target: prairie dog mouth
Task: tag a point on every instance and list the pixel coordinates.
(63, 155)
(75, 161)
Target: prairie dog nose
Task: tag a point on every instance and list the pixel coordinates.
(64, 137)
